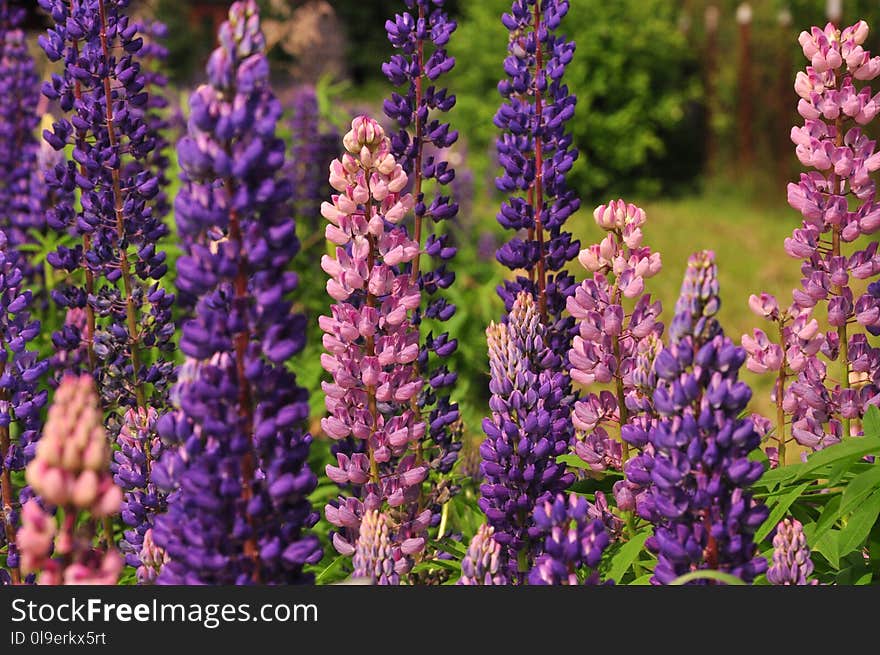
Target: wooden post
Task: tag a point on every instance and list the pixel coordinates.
(744, 113)
(785, 98)
(834, 11)
(710, 87)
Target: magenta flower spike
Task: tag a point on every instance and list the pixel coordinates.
(371, 345)
(827, 372)
(619, 335)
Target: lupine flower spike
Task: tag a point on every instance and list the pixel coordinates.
(619, 335)
(791, 556)
(420, 36)
(699, 469)
(235, 462)
(21, 400)
(372, 346)
(828, 374)
(524, 435)
(22, 199)
(116, 165)
(314, 147)
(574, 542)
(536, 153)
(71, 471)
(483, 563)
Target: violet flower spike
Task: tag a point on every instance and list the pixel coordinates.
(314, 147)
(698, 468)
(422, 145)
(536, 153)
(574, 542)
(115, 271)
(524, 435)
(23, 401)
(235, 461)
(22, 199)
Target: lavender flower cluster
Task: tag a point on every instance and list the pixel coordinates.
(826, 378)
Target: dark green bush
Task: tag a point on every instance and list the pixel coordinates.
(638, 122)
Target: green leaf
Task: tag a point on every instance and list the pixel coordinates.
(828, 546)
(859, 524)
(628, 553)
(574, 461)
(871, 422)
(854, 448)
(643, 580)
(859, 488)
(708, 574)
(328, 574)
(427, 565)
(779, 510)
(455, 548)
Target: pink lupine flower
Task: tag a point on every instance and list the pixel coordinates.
(838, 203)
(71, 469)
(371, 344)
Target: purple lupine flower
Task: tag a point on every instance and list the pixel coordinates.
(154, 56)
(312, 151)
(838, 204)
(574, 541)
(791, 555)
(110, 122)
(420, 35)
(618, 338)
(235, 464)
(21, 401)
(525, 433)
(536, 153)
(372, 345)
(21, 201)
(699, 468)
(376, 555)
(101, 89)
(483, 563)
